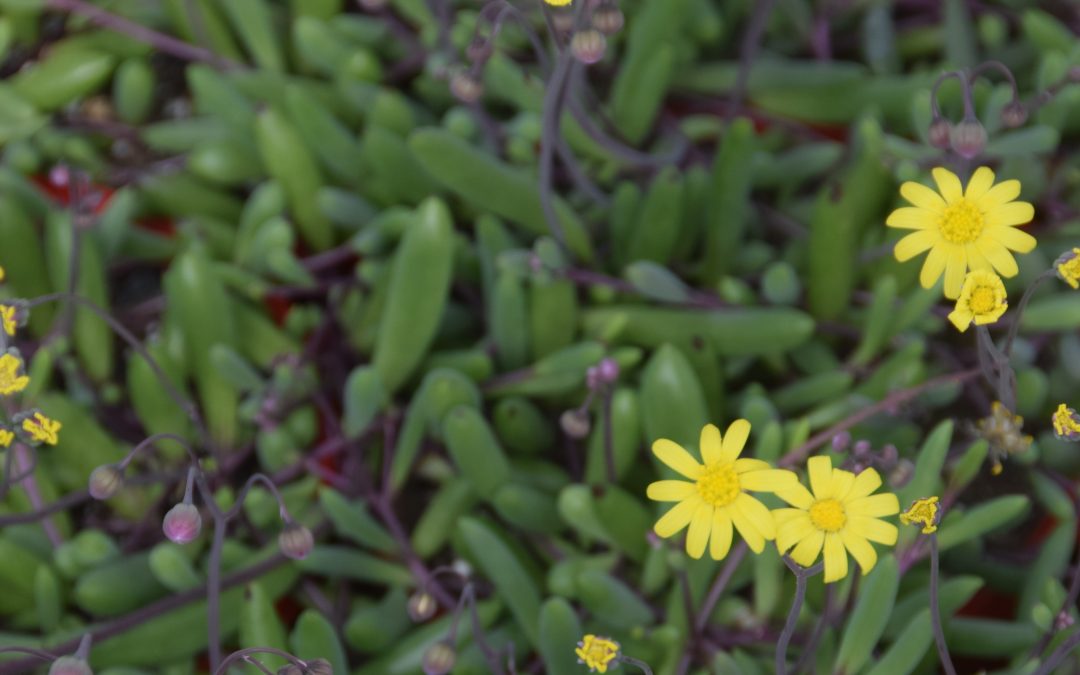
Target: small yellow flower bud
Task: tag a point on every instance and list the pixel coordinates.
(1066, 423)
(1068, 267)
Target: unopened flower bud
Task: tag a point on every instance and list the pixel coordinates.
(588, 46)
(182, 523)
(563, 21)
(902, 474)
(70, 665)
(439, 659)
(1014, 114)
(421, 606)
(478, 50)
(940, 133)
(889, 454)
(575, 423)
(608, 18)
(841, 441)
(372, 5)
(862, 447)
(465, 87)
(608, 370)
(968, 138)
(296, 541)
(319, 667)
(1063, 620)
(105, 481)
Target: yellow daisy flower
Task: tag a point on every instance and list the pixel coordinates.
(1066, 423)
(963, 229)
(6, 437)
(922, 512)
(717, 499)
(840, 514)
(558, 3)
(7, 316)
(42, 429)
(12, 381)
(597, 652)
(1068, 268)
(982, 300)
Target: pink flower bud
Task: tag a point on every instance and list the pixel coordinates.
(182, 523)
(939, 133)
(296, 541)
(588, 46)
(1014, 114)
(968, 138)
(608, 18)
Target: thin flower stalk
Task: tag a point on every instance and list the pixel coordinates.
(802, 574)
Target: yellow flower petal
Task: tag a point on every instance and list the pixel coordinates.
(792, 529)
(697, 537)
(677, 518)
(745, 464)
(835, 557)
(874, 506)
(735, 439)
(767, 480)
(911, 218)
(710, 444)
(933, 267)
(999, 256)
(922, 197)
(842, 482)
(676, 457)
(1011, 238)
(806, 552)
(961, 319)
(757, 514)
(797, 495)
(955, 270)
(999, 195)
(721, 535)
(670, 490)
(1013, 213)
(948, 184)
(746, 529)
(860, 549)
(872, 529)
(981, 181)
(820, 470)
(915, 243)
(866, 482)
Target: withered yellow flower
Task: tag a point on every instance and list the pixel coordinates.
(924, 512)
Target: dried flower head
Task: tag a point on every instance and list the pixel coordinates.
(9, 317)
(105, 481)
(925, 512)
(1004, 432)
(1066, 423)
(716, 500)
(37, 428)
(840, 516)
(439, 659)
(296, 541)
(12, 379)
(1068, 267)
(597, 652)
(971, 228)
(982, 300)
(182, 523)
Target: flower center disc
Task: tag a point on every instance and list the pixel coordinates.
(982, 300)
(828, 514)
(719, 485)
(962, 222)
